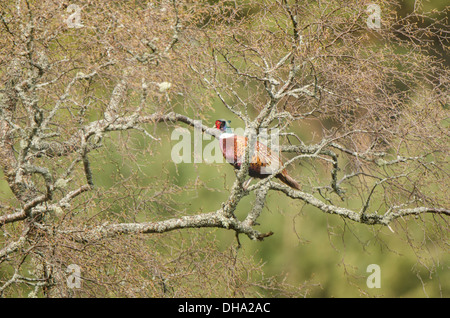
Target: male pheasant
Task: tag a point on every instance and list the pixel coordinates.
(263, 159)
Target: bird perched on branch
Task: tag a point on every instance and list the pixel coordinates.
(263, 161)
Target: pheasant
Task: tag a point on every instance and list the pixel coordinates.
(262, 160)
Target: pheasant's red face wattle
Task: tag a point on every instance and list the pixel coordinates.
(219, 124)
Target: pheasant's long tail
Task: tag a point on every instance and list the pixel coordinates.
(285, 178)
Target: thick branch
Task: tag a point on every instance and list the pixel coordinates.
(371, 219)
(213, 219)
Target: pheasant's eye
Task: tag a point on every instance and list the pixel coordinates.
(220, 124)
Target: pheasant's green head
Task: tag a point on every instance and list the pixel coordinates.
(223, 125)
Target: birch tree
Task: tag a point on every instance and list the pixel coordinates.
(80, 79)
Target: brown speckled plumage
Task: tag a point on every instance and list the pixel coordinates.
(263, 162)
